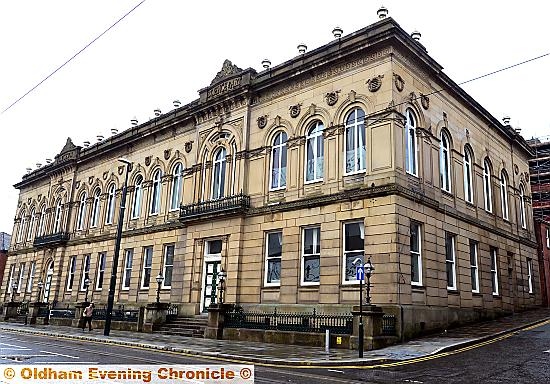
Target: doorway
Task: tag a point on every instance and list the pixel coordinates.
(212, 261)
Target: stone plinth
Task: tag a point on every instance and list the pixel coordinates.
(155, 314)
(34, 308)
(373, 337)
(10, 310)
(216, 319)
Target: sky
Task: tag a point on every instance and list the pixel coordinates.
(169, 49)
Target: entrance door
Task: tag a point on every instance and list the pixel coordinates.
(210, 284)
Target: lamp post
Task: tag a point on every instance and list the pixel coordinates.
(369, 269)
(159, 279)
(86, 284)
(13, 288)
(222, 276)
(358, 263)
(40, 286)
(112, 285)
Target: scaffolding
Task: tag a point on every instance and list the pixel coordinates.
(539, 175)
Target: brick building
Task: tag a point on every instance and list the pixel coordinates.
(4, 246)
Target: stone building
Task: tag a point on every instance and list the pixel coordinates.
(362, 148)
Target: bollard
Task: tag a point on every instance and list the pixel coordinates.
(327, 341)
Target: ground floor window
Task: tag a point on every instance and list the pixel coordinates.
(354, 247)
(273, 254)
(416, 256)
(311, 255)
(474, 274)
(168, 265)
(450, 260)
(494, 271)
(100, 270)
(147, 265)
(530, 274)
(128, 260)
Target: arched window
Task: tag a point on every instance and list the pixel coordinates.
(21, 230)
(94, 218)
(233, 168)
(487, 190)
(155, 193)
(81, 211)
(278, 162)
(203, 187)
(138, 193)
(110, 205)
(522, 207)
(218, 174)
(410, 143)
(355, 147)
(41, 222)
(504, 194)
(176, 187)
(445, 162)
(32, 225)
(314, 152)
(57, 219)
(468, 187)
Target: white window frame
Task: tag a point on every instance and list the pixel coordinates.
(109, 216)
(32, 271)
(452, 261)
(474, 266)
(81, 211)
(411, 143)
(268, 259)
(494, 271)
(138, 197)
(233, 167)
(504, 195)
(445, 162)
(154, 207)
(351, 251)
(468, 176)
(530, 274)
(316, 241)
(86, 266)
(96, 207)
(314, 138)
(100, 276)
(32, 223)
(21, 231)
(166, 266)
(355, 126)
(416, 254)
(177, 179)
(72, 272)
(21, 277)
(522, 207)
(41, 222)
(219, 173)
(57, 220)
(146, 250)
(487, 187)
(547, 237)
(127, 275)
(11, 276)
(279, 143)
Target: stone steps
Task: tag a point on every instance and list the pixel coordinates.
(184, 326)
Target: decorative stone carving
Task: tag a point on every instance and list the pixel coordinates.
(188, 146)
(295, 141)
(90, 180)
(295, 110)
(332, 98)
(39, 198)
(375, 83)
(399, 82)
(425, 101)
(105, 175)
(228, 69)
(262, 122)
(516, 169)
(76, 185)
(526, 176)
(167, 153)
(121, 170)
(148, 160)
(332, 130)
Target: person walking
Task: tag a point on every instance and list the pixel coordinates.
(88, 314)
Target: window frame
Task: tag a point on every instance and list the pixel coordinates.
(487, 186)
(32, 223)
(21, 236)
(547, 237)
(504, 195)
(145, 267)
(522, 213)
(468, 175)
(81, 212)
(452, 261)
(315, 138)
(530, 275)
(345, 253)
(219, 163)
(165, 266)
(494, 272)
(86, 267)
(156, 190)
(109, 215)
(355, 126)
(30, 278)
(416, 254)
(10, 277)
(71, 273)
(445, 163)
(21, 277)
(316, 236)
(268, 259)
(176, 190)
(96, 209)
(41, 222)
(474, 266)
(127, 275)
(100, 276)
(58, 217)
(137, 198)
(282, 147)
(411, 143)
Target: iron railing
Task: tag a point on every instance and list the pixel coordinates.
(127, 315)
(388, 325)
(67, 313)
(43, 312)
(297, 322)
(231, 204)
(53, 239)
(172, 313)
(23, 309)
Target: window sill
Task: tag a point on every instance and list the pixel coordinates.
(272, 286)
(477, 294)
(418, 287)
(447, 193)
(315, 284)
(317, 181)
(453, 291)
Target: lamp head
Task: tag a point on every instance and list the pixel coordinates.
(86, 282)
(369, 268)
(40, 284)
(160, 278)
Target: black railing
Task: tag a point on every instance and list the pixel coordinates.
(128, 315)
(53, 239)
(172, 313)
(43, 312)
(231, 204)
(67, 313)
(297, 322)
(388, 325)
(23, 309)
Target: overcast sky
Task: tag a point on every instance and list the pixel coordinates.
(169, 49)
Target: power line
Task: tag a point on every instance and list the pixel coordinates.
(75, 55)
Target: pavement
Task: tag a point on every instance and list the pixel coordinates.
(280, 354)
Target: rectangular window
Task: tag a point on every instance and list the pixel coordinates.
(311, 255)
(416, 255)
(72, 271)
(530, 274)
(85, 272)
(494, 271)
(168, 265)
(450, 260)
(147, 264)
(354, 247)
(474, 270)
(100, 270)
(21, 277)
(547, 237)
(273, 254)
(128, 260)
(10, 278)
(31, 277)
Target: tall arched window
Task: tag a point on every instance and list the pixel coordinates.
(138, 196)
(155, 193)
(94, 218)
(110, 205)
(314, 152)
(41, 222)
(177, 177)
(22, 225)
(218, 173)
(57, 219)
(504, 194)
(487, 190)
(233, 168)
(522, 207)
(32, 225)
(278, 162)
(355, 147)
(410, 143)
(468, 187)
(445, 162)
(81, 211)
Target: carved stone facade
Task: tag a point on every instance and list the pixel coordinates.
(258, 177)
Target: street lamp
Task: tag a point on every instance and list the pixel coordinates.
(112, 285)
(159, 279)
(13, 288)
(222, 276)
(40, 286)
(369, 269)
(358, 263)
(86, 284)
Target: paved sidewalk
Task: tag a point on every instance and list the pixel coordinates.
(279, 354)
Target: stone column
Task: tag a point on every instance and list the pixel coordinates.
(216, 320)
(34, 308)
(155, 314)
(372, 324)
(10, 310)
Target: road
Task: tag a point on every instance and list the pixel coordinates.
(518, 358)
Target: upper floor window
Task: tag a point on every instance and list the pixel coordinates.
(218, 173)
(522, 207)
(504, 194)
(314, 152)
(468, 186)
(547, 237)
(233, 168)
(30, 280)
(155, 193)
(22, 225)
(32, 224)
(41, 222)
(81, 211)
(177, 178)
(110, 205)
(94, 218)
(128, 261)
(410, 143)
(138, 193)
(487, 190)
(445, 162)
(278, 161)
(355, 147)
(147, 266)
(57, 220)
(21, 278)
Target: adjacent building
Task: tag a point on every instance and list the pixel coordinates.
(362, 148)
(4, 246)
